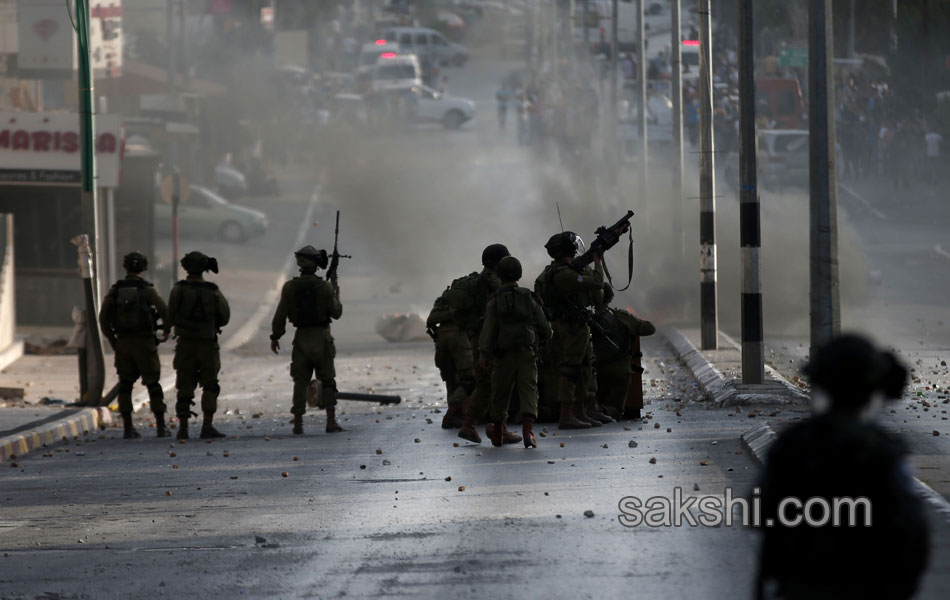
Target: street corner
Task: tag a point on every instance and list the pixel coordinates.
(26, 438)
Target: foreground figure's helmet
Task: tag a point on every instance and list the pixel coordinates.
(494, 253)
(850, 369)
(509, 269)
(196, 262)
(135, 262)
(309, 257)
(562, 244)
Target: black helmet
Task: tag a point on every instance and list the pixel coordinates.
(134, 262)
(309, 257)
(494, 253)
(562, 244)
(197, 263)
(850, 370)
(509, 269)
(608, 293)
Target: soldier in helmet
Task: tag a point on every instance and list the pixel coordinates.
(514, 330)
(840, 453)
(310, 302)
(614, 351)
(567, 293)
(128, 321)
(198, 310)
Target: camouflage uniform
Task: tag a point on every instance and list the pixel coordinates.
(615, 365)
(127, 320)
(198, 310)
(310, 302)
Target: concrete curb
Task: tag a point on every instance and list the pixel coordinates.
(80, 423)
(727, 392)
(758, 439)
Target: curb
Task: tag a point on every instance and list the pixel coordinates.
(80, 423)
(940, 254)
(727, 392)
(11, 354)
(758, 439)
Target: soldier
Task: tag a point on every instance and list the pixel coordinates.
(456, 319)
(614, 351)
(310, 302)
(515, 328)
(128, 321)
(198, 310)
(566, 294)
(839, 453)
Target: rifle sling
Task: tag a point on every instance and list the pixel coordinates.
(629, 265)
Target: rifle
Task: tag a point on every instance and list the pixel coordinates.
(607, 238)
(336, 256)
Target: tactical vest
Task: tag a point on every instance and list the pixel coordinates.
(195, 317)
(466, 297)
(133, 314)
(310, 302)
(559, 304)
(513, 310)
(617, 331)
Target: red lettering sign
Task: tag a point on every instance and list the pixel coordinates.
(56, 141)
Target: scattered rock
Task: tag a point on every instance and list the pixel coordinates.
(449, 478)
(936, 433)
(589, 514)
(168, 492)
(285, 474)
(604, 446)
(653, 460)
(656, 425)
(704, 463)
(455, 444)
(632, 444)
(461, 488)
(379, 451)
(296, 458)
(386, 463)
(695, 487)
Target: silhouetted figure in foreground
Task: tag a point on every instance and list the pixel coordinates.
(840, 453)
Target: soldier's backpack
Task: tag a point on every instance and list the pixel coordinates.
(133, 314)
(196, 313)
(515, 318)
(465, 298)
(310, 309)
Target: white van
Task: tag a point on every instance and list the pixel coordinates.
(398, 70)
(429, 42)
(370, 53)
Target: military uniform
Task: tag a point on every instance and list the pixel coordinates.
(614, 365)
(566, 294)
(127, 319)
(515, 327)
(198, 310)
(310, 302)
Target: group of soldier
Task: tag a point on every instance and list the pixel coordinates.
(133, 313)
(561, 349)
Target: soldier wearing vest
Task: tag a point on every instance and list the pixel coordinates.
(128, 321)
(567, 293)
(615, 364)
(456, 320)
(514, 330)
(310, 302)
(198, 310)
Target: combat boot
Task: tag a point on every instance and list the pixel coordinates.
(467, 432)
(507, 437)
(332, 425)
(182, 428)
(161, 429)
(130, 433)
(298, 424)
(527, 430)
(580, 415)
(631, 413)
(594, 412)
(569, 421)
(208, 432)
(453, 418)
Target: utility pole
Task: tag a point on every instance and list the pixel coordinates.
(89, 263)
(642, 112)
(823, 201)
(750, 231)
(708, 313)
(586, 28)
(851, 19)
(183, 42)
(170, 44)
(676, 46)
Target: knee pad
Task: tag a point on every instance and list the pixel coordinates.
(212, 388)
(155, 391)
(125, 386)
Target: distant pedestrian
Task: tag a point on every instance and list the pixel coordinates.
(503, 98)
(879, 548)
(933, 140)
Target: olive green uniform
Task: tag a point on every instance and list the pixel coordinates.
(514, 328)
(198, 310)
(456, 318)
(310, 302)
(615, 366)
(127, 320)
(566, 294)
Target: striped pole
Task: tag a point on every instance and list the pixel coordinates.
(750, 233)
(709, 325)
(679, 241)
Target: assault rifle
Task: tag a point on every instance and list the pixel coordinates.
(336, 256)
(607, 238)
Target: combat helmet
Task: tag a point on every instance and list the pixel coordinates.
(509, 269)
(494, 253)
(562, 244)
(134, 262)
(309, 257)
(196, 263)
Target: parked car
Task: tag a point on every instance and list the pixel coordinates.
(229, 181)
(421, 40)
(370, 53)
(207, 215)
(396, 71)
(421, 104)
